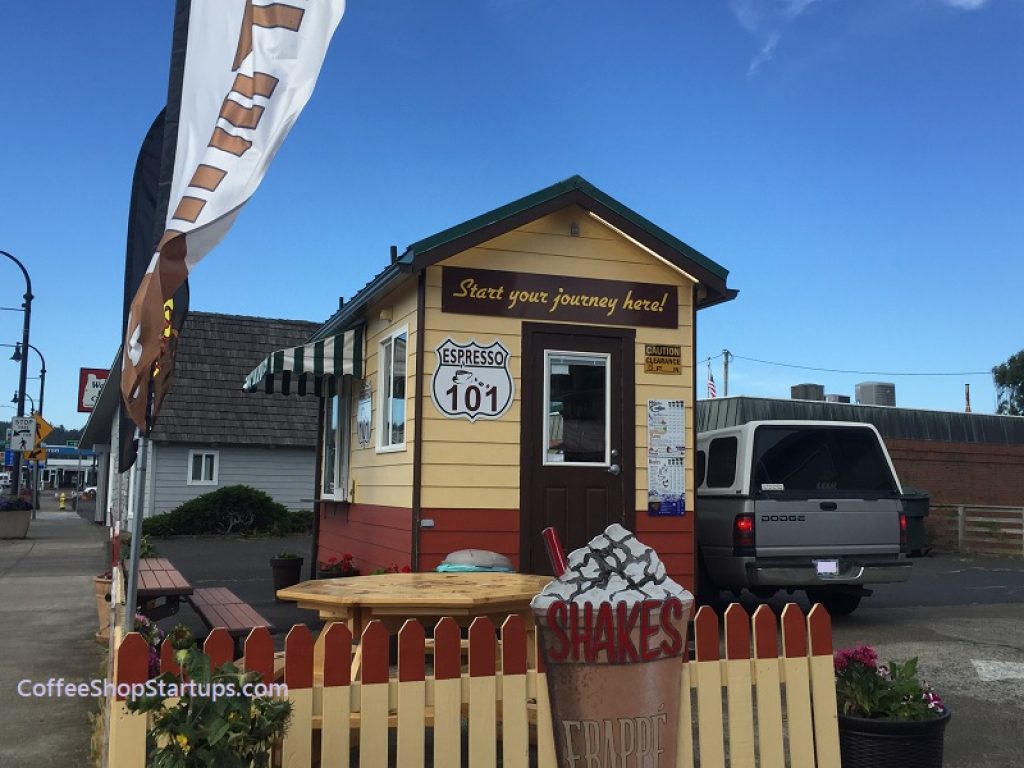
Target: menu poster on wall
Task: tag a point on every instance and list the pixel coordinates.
(666, 455)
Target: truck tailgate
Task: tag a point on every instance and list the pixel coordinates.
(826, 527)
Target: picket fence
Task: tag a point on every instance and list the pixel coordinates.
(750, 705)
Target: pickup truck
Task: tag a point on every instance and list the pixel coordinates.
(798, 505)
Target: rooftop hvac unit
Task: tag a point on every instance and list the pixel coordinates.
(837, 398)
(807, 392)
(876, 393)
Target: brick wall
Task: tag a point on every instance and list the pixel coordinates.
(961, 473)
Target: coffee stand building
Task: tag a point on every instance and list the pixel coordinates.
(532, 366)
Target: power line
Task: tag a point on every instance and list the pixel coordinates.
(864, 373)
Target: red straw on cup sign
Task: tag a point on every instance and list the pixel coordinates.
(555, 552)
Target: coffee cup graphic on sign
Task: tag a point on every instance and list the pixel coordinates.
(613, 632)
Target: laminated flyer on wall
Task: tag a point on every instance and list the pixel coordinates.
(666, 457)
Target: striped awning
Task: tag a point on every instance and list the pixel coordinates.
(312, 369)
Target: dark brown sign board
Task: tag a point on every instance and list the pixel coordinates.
(558, 297)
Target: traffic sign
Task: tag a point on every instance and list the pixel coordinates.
(43, 428)
(23, 433)
(36, 454)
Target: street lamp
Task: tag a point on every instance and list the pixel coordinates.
(23, 376)
(16, 357)
(15, 399)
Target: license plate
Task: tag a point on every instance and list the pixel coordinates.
(827, 567)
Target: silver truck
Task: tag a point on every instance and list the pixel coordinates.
(798, 505)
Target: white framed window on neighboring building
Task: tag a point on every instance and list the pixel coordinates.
(203, 467)
(391, 362)
(337, 436)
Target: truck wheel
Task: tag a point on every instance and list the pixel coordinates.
(707, 591)
(836, 603)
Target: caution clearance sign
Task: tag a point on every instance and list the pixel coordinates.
(663, 358)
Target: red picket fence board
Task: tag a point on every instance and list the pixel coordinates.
(219, 647)
(411, 659)
(298, 658)
(259, 653)
(737, 632)
(819, 627)
(447, 650)
(337, 655)
(705, 633)
(794, 632)
(132, 661)
(481, 648)
(374, 644)
(513, 646)
(167, 661)
(766, 639)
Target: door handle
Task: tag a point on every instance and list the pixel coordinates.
(828, 506)
(615, 469)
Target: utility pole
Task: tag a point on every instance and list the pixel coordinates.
(726, 354)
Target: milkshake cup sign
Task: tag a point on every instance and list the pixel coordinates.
(613, 633)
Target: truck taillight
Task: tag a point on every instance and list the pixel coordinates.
(743, 535)
(903, 533)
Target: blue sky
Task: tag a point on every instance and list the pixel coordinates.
(856, 164)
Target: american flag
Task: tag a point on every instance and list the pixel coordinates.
(712, 392)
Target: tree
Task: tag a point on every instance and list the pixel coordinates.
(1009, 381)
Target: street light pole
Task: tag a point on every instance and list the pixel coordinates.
(23, 376)
(42, 371)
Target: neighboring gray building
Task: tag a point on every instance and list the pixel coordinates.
(208, 433)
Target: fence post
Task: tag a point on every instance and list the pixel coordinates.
(961, 528)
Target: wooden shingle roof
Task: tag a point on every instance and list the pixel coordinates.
(206, 403)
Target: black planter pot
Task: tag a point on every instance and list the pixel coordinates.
(287, 571)
(869, 743)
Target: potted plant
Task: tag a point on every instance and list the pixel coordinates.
(214, 721)
(888, 716)
(336, 568)
(15, 515)
(286, 568)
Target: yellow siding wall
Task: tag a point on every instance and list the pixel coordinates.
(385, 479)
(470, 465)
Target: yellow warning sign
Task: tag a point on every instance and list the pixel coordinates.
(36, 454)
(43, 428)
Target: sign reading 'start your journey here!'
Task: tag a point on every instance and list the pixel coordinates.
(557, 297)
(471, 380)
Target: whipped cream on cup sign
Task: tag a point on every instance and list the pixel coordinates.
(614, 604)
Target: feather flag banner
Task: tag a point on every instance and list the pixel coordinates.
(249, 70)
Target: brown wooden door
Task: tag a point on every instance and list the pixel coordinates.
(577, 452)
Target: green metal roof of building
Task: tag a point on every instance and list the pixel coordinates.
(901, 423)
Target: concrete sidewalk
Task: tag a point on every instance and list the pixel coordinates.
(47, 627)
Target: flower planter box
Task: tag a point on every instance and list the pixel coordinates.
(334, 574)
(14, 523)
(876, 743)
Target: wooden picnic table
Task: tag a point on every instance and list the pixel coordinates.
(158, 578)
(394, 597)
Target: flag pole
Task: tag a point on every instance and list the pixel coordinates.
(131, 597)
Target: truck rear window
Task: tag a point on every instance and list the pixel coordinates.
(807, 459)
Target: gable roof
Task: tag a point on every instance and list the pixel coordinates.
(573, 191)
(206, 404)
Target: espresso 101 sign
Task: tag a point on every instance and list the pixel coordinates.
(472, 380)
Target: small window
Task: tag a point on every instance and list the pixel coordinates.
(202, 467)
(337, 414)
(392, 362)
(577, 408)
(701, 467)
(721, 469)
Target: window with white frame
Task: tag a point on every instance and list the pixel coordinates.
(392, 362)
(202, 467)
(337, 418)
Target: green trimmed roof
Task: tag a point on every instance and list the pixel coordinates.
(573, 191)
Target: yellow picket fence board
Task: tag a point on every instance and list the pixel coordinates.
(768, 687)
(823, 688)
(798, 690)
(684, 739)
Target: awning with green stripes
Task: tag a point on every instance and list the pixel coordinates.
(312, 369)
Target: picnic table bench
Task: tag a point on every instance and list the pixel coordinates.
(159, 579)
(220, 607)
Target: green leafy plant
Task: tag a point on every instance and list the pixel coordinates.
(892, 691)
(213, 724)
(237, 509)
